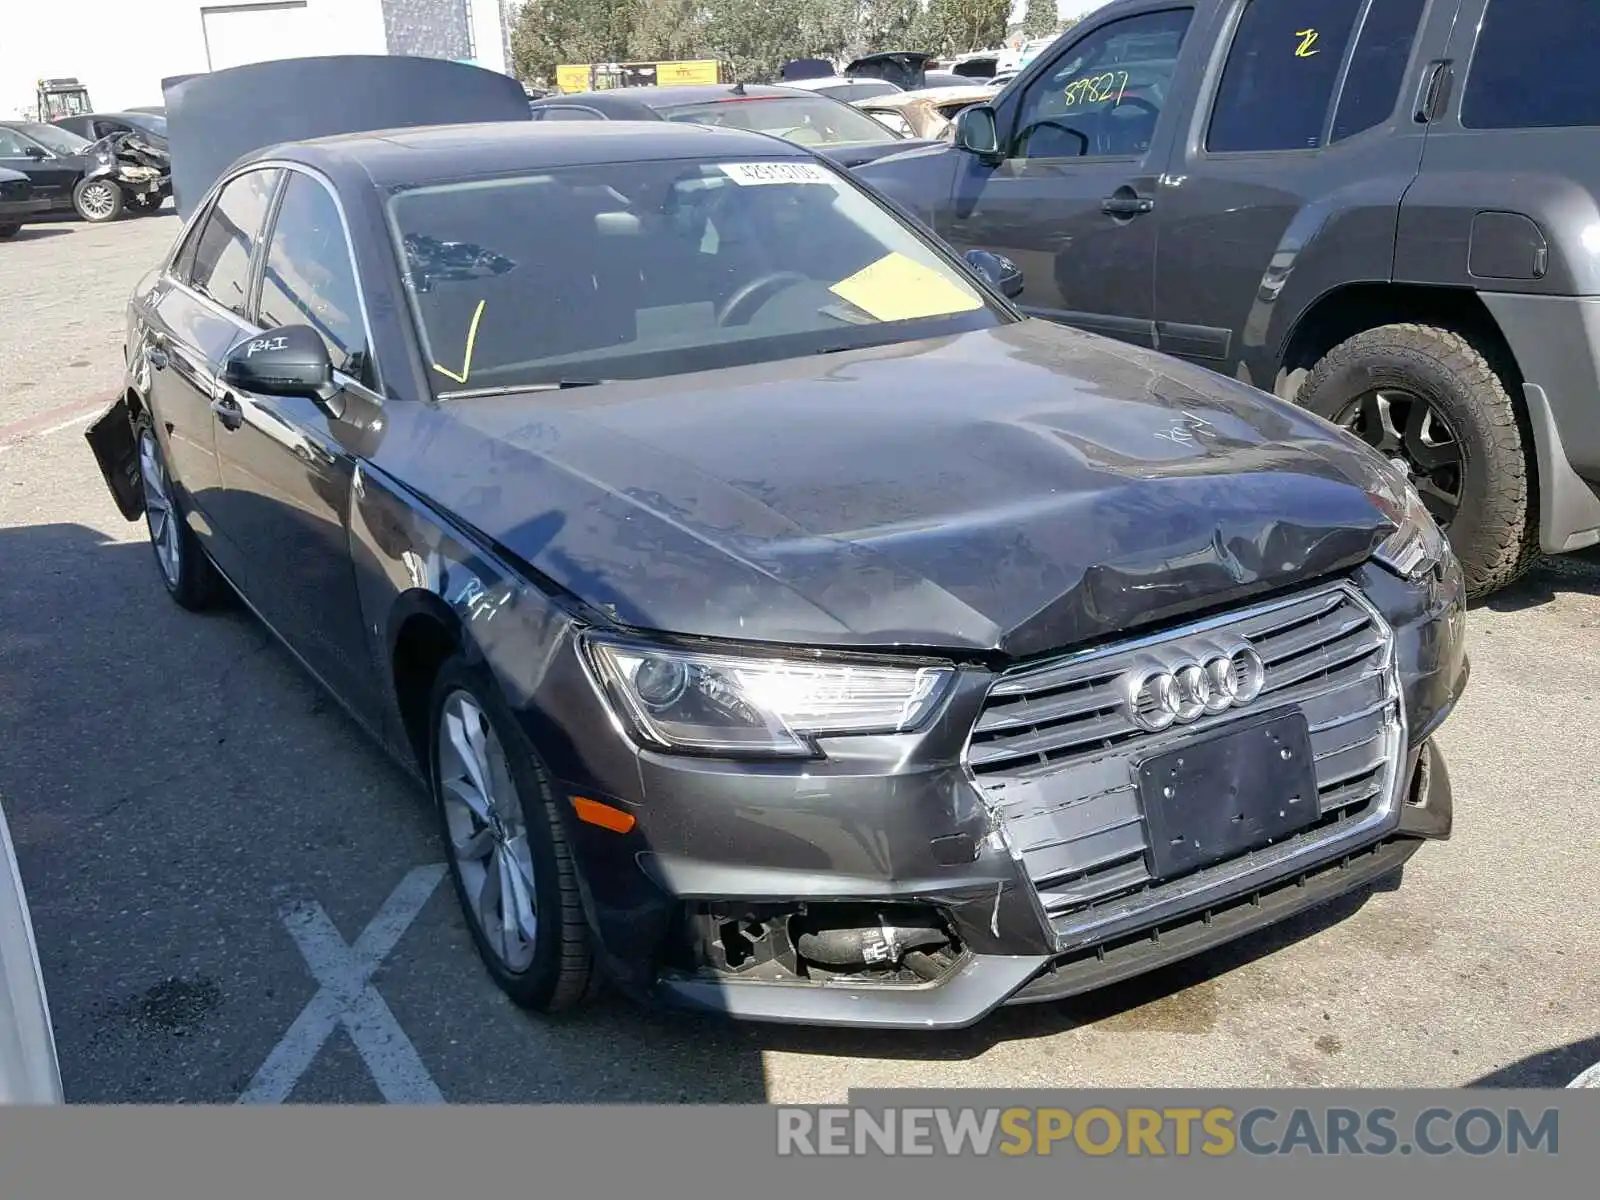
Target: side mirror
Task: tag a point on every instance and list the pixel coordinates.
(978, 132)
(289, 361)
(1003, 274)
(36, 153)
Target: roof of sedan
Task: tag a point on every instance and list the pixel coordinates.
(442, 152)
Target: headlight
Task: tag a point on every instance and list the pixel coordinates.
(1417, 545)
(675, 699)
(140, 172)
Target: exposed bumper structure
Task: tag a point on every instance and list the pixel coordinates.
(982, 983)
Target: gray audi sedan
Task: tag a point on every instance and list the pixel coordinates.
(781, 622)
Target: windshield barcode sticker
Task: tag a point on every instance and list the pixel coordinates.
(749, 174)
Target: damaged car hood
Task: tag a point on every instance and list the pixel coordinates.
(1010, 491)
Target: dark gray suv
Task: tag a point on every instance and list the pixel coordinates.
(1385, 210)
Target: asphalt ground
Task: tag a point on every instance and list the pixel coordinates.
(175, 784)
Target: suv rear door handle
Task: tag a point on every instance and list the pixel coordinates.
(1434, 93)
(1125, 203)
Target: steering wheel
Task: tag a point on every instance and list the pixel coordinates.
(756, 293)
(1109, 115)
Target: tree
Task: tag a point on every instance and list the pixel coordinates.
(885, 25)
(956, 26)
(667, 30)
(548, 32)
(1041, 19)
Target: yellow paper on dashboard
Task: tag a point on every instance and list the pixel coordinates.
(897, 288)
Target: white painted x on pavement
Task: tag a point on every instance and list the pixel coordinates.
(346, 997)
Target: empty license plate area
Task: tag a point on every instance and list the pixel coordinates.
(1228, 792)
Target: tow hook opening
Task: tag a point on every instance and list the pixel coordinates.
(1421, 777)
(834, 942)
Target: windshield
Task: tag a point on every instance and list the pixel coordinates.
(148, 122)
(804, 120)
(642, 269)
(53, 138)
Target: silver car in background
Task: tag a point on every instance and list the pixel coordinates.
(29, 1072)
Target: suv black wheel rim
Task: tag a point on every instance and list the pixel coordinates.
(1416, 438)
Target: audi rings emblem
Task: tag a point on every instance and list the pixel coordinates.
(1193, 685)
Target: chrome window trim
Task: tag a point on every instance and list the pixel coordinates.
(374, 394)
(1227, 880)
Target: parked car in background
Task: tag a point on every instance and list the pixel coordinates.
(97, 180)
(17, 202)
(831, 127)
(1391, 218)
(151, 127)
(784, 624)
(926, 113)
(29, 1071)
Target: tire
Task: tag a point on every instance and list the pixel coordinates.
(181, 562)
(555, 970)
(1493, 530)
(98, 200)
(9, 231)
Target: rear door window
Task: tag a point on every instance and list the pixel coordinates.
(1534, 66)
(1383, 50)
(219, 265)
(1282, 68)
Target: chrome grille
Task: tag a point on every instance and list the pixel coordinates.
(1054, 750)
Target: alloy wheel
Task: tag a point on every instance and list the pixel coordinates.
(487, 830)
(158, 510)
(98, 201)
(1414, 436)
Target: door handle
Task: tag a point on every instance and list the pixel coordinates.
(228, 410)
(156, 357)
(1434, 93)
(1124, 203)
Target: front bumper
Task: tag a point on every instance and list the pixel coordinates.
(901, 822)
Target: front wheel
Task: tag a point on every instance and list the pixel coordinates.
(189, 577)
(1430, 401)
(9, 231)
(98, 200)
(509, 861)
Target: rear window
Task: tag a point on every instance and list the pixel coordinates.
(1534, 67)
(643, 269)
(865, 90)
(804, 120)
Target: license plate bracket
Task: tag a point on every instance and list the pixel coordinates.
(1237, 789)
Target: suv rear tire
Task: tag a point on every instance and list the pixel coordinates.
(1493, 532)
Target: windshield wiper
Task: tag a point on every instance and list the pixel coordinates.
(511, 389)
